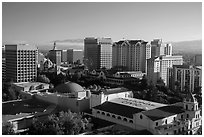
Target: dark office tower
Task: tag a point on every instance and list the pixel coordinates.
(55, 55)
(98, 53)
(92, 53)
(64, 55)
(3, 64)
(198, 60)
(74, 56)
(155, 47)
(21, 62)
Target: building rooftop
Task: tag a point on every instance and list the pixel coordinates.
(21, 108)
(163, 112)
(69, 87)
(171, 57)
(136, 41)
(138, 103)
(181, 66)
(115, 108)
(122, 78)
(28, 84)
(130, 72)
(120, 42)
(111, 91)
(20, 46)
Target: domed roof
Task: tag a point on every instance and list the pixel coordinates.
(69, 87)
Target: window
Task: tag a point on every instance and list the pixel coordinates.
(186, 107)
(131, 121)
(108, 114)
(156, 123)
(181, 116)
(98, 112)
(141, 117)
(103, 113)
(113, 116)
(166, 121)
(125, 119)
(174, 118)
(187, 116)
(182, 128)
(119, 118)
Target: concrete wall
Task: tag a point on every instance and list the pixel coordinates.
(109, 117)
(141, 124)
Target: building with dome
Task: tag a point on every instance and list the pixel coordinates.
(71, 89)
(68, 95)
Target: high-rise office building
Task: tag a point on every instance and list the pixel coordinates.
(169, 61)
(130, 54)
(55, 55)
(3, 64)
(105, 45)
(168, 49)
(153, 69)
(21, 62)
(156, 47)
(98, 52)
(197, 60)
(183, 77)
(64, 56)
(157, 67)
(75, 56)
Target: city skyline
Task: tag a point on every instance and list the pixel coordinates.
(44, 22)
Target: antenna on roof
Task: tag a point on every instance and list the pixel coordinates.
(54, 45)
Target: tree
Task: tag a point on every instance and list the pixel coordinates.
(7, 129)
(43, 79)
(65, 123)
(144, 83)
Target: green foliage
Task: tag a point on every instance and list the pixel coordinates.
(43, 79)
(7, 129)
(65, 123)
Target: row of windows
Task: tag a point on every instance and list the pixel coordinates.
(25, 51)
(25, 80)
(114, 116)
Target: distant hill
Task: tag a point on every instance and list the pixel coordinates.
(193, 47)
(64, 44)
(183, 47)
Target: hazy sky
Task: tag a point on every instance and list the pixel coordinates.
(44, 22)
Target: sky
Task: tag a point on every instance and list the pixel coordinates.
(45, 22)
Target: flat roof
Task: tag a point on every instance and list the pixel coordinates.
(138, 103)
(28, 84)
(131, 72)
(21, 108)
(111, 91)
(163, 112)
(119, 109)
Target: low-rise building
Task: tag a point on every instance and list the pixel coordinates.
(20, 113)
(103, 95)
(179, 118)
(27, 89)
(67, 96)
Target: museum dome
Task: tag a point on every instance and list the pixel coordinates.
(69, 87)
